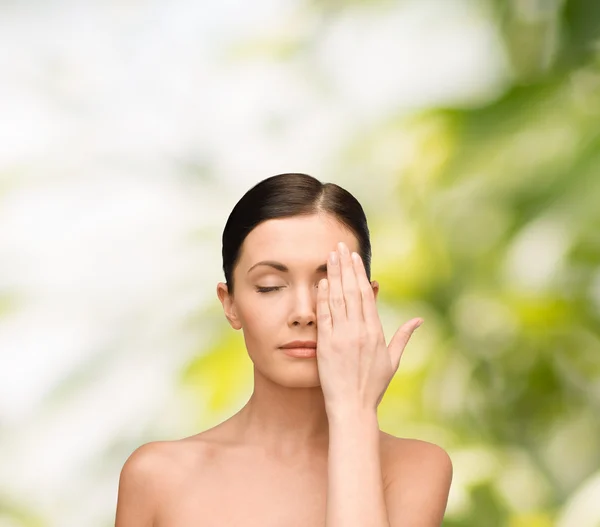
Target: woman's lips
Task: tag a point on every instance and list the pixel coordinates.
(300, 353)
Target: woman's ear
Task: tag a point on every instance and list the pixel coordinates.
(228, 306)
(375, 286)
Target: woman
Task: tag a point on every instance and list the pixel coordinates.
(306, 449)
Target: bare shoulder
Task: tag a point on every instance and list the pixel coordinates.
(412, 454)
(148, 477)
(159, 462)
(419, 476)
(146, 457)
(413, 460)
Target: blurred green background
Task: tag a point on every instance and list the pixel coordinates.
(469, 130)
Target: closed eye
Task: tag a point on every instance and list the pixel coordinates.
(268, 289)
(274, 288)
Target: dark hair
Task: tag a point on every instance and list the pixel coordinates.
(288, 195)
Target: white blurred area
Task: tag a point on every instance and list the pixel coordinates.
(128, 128)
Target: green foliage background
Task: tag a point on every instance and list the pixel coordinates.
(485, 221)
(491, 231)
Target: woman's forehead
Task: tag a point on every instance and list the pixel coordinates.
(316, 234)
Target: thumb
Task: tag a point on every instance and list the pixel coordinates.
(400, 340)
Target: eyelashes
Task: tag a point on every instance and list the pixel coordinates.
(267, 289)
(260, 289)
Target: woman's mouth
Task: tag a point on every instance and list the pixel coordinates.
(302, 349)
(300, 353)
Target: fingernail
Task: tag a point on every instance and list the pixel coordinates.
(333, 257)
(343, 249)
(419, 323)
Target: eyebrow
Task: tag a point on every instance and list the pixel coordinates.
(280, 267)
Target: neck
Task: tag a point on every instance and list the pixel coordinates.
(283, 421)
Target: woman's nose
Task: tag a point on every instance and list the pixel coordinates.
(304, 311)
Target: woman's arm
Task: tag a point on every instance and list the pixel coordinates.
(137, 493)
(419, 478)
(355, 493)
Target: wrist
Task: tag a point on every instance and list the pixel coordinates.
(351, 414)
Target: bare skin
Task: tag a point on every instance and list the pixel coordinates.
(267, 465)
(212, 480)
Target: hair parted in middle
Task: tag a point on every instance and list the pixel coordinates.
(286, 195)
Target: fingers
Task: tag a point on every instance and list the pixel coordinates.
(400, 340)
(344, 294)
(324, 320)
(407, 329)
(369, 307)
(350, 287)
(337, 305)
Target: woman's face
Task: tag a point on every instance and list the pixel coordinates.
(276, 279)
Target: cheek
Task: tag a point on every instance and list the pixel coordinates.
(261, 327)
(260, 318)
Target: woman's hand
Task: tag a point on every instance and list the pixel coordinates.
(355, 364)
